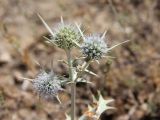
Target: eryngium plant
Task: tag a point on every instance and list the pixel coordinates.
(93, 48)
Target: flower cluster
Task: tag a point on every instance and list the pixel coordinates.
(94, 47)
(66, 36)
(46, 84)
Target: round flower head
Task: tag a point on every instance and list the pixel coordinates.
(94, 47)
(66, 36)
(47, 84)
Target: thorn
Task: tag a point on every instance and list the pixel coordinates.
(77, 44)
(97, 61)
(110, 101)
(22, 78)
(49, 40)
(118, 45)
(58, 99)
(80, 31)
(36, 62)
(63, 61)
(109, 57)
(45, 24)
(79, 58)
(104, 34)
(79, 24)
(62, 20)
(90, 72)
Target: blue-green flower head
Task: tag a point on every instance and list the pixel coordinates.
(47, 85)
(66, 35)
(94, 47)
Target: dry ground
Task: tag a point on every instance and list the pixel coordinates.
(132, 78)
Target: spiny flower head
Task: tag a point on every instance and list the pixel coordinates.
(94, 47)
(66, 35)
(46, 84)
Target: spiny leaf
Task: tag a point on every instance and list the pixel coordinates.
(103, 105)
(67, 117)
(94, 112)
(88, 114)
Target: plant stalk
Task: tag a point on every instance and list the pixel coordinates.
(73, 101)
(73, 86)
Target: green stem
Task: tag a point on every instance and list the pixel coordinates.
(73, 101)
(73, 86)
